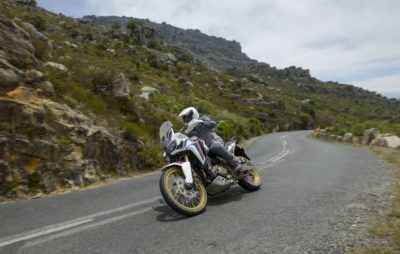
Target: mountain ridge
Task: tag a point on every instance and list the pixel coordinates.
(213, 51)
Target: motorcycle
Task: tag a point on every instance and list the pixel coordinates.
(194, 173)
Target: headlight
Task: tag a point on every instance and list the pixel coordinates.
(171, 147)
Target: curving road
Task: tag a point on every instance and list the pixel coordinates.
(305, 183)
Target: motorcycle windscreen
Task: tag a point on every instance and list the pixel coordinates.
(166, 133)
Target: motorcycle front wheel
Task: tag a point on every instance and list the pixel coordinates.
(189, 202)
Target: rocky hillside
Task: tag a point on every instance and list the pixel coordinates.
(224, 55)
(82, 101)
(216, 53)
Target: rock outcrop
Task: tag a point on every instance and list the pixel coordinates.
(15, 46)
(147, 90)
(386, 140)
(369, 135)
(120, 87)
(45, 145)
(348, 137)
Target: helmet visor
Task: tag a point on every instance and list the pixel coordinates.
(188, 117)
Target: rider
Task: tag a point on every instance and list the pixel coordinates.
(204, 128)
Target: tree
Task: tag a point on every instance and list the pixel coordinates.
(116, 25)
(131, 26)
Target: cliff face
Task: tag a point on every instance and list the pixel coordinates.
(215, 52)
(212, 51)
(45, 145)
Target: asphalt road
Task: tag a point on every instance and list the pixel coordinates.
(305, 183)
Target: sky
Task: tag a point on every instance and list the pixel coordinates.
(349, 41)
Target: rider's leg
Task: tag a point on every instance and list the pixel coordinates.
(218, 150)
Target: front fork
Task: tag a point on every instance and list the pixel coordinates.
(187, 171)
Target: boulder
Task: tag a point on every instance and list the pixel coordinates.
(8, 78)
(146, 91)
(220, 85)
(369, 135)
(263, 117)
(16, 47)
(386, 140)
(181, 79)
(357, 140)
(348, 137)
(305, 102)
(112, 51)
(71, 45)
(332, 137)
(33, 76)
(120, 87)
(58, 66)
(34, 32)
(101, 146)
(189, 84)
(163, 57)
(47, 88)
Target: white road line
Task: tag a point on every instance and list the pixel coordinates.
(285, 151)
(42, 231)
(85, 227)
(68, 224)
(282, 156)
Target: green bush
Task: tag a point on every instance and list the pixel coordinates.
(34, 180)
(186, 57)
(41, 49)
(358, 129)
(133, 130)
(305, 121)
(38, 21)
(150, 154)
(226, 129)
(154, 44)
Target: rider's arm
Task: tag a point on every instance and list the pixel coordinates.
(210, 124)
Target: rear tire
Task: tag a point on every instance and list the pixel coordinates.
(172, 198)
(252, 180)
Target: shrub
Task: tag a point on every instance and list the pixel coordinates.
(116, 25)
(38, 21)
(226, 129)
(154, 44)
(358, 129)
(41, 49)
(132, 131)
(186, 57)
(150, 154)
(305, 120)
(131, 26)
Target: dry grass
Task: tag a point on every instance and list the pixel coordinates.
(390, 227)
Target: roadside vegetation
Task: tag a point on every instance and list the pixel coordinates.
(388, 231)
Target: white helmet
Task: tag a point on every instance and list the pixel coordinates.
(189, 114)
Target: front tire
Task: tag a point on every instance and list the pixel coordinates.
(252, 180)
(188, 202)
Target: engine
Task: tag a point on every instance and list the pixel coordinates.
(219, 170)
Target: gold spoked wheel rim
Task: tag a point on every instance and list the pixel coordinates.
(190, 200)
(253, 177)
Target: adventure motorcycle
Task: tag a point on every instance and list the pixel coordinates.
(193, 172)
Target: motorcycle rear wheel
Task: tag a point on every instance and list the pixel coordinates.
(188, 202)
(252, 180)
